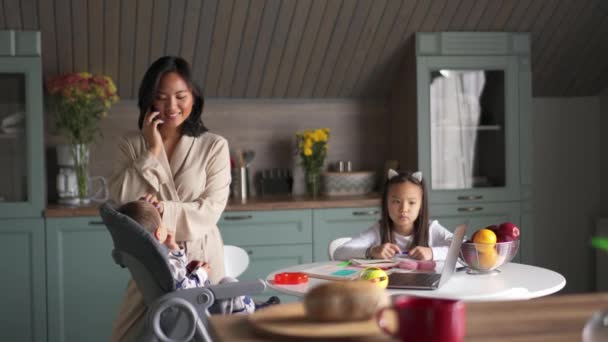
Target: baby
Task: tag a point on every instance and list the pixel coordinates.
(185, 274)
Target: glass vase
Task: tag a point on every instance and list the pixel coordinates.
(313, 183)
(80, 153)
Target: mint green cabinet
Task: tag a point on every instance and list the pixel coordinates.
(84, 286)
(23, 285)
(277, 227)
(329, 224)
(21, 150)
(273, 239)
(461, 115)
(481, 215)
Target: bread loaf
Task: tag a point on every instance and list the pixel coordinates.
(343, 301)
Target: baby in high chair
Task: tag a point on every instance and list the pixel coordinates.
(185, 274)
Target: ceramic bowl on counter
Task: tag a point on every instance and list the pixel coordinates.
(347, 183)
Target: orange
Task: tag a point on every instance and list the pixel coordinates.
(485, 240)
(487, 260)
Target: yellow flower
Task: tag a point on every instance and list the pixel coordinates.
(308, 151)
(85, 75)
(308, 143)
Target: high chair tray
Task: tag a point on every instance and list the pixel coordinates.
(289, 320)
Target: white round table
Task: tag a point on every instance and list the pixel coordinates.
(513, 282)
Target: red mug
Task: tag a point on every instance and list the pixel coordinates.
(425, 319)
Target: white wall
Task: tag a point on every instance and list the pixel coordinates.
(566, 177)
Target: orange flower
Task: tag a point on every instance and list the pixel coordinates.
(81, 100)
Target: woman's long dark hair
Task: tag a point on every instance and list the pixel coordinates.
(193, 126)
(421, 225)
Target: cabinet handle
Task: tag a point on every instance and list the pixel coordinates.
(470, 209)
(470, 198)
(96, 223)
(237, 218)
(249, 252)
(365, 213)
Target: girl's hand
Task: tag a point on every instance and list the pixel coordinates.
(152, 199)
(151, 133)
(170, 242)
(384, 251)
(421, 253)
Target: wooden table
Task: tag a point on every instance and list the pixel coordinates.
(554, 318)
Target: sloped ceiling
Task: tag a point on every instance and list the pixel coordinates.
(304, 48)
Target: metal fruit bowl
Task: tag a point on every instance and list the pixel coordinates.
(484, 258)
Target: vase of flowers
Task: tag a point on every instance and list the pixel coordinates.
(80, 101)
(312, 148)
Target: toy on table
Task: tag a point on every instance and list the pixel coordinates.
(290, 278)
(375, 275)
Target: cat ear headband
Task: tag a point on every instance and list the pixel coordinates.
(416, 175)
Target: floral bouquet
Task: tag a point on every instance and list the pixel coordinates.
(80, 101)
(312, 148)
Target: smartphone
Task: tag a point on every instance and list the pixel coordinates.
(157, 117)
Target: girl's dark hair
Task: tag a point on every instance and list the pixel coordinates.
(193, 126)
(421, 225)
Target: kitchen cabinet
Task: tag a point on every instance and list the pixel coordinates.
(330, 224)
(461, 115)
(21, 130)
(273, 239)
(84, 286)
(479, 215)
(23, 285)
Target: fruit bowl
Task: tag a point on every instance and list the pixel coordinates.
(485, 258)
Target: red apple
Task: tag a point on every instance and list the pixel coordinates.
(504, 238)
(508, 231)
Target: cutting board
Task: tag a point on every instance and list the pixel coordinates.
(289, 320)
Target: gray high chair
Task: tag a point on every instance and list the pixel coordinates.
(172, 315)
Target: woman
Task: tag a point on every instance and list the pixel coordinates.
(176, 164)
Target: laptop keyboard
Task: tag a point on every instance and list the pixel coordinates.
(415, 279)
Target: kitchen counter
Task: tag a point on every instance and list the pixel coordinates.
(252, 204)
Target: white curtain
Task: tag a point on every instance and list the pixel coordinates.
(455, 113)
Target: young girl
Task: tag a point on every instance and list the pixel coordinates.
(404, 226)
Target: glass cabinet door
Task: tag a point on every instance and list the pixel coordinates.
(13, 142)
(468, 110)
(21, 137)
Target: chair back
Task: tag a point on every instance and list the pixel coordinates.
(136, 249)
(236, 260)
(335, 244)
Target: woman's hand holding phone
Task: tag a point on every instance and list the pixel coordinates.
(151, 132)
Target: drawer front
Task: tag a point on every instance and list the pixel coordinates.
(251, 228)
(330, 224)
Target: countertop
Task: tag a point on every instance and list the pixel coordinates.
(252, 204)
(554, 318)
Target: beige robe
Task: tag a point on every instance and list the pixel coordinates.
(194, 187)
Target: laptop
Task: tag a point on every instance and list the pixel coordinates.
(431, 281)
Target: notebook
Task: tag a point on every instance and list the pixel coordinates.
(333, 272)
(431, 281)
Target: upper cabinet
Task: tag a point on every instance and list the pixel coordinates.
(21, 132)
(459, 111)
